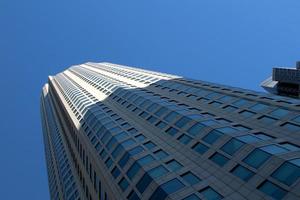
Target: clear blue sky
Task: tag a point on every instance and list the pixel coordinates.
(232, 42)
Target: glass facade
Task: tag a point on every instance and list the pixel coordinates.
(117, 132)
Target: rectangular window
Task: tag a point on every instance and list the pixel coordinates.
(267, 120)
(143, 183)
(172, 131)
(146, 160)
(182, 122)
(160, 154)
(123, 184)
(242, 172)
(161, 124)
(232, 146)
(219, 159)
(190, 178)
(158, 171)
(256, 158)
(200, 148)
(171, 116)
(172, 186)
(288, 173)
(291, 127)
(241, 102)
(184, 139)
(173, 165)
(272, 190)
(280, 112)
(212, 137)
(133, 170)
(210, 194)
(195, 129)
(149, 145)
(259, 107)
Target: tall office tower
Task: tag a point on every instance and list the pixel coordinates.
(284, 81)
(116, 132)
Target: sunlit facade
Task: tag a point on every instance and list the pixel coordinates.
(116, 132)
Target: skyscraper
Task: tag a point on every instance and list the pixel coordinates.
(117, 132)
(284, 81)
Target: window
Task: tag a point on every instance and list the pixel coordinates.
(195, 116)
(171, 131)
(146, 160)
(200, 148)
(182, 122)
(241, 102)
(212, 137)
(248, 138)
(158, 171)
(230, 108)
(297, 119)
(274, 149)
(267, 120)
(172, 186)
(152, 119)
(219, 159)
(272, 190)
(124, 160)
(140, 137)
(115, 172)
(108, 162)
(149, 145)
(232, 146)
(133, 196)
(242, 172)
(263, 136)
(259, 107)
(190, 178)
(160, 154)
(143, 183)
(288, 173)
(123, 184)
(161, 111)
(174, 165)
(128, 143)
(247, 113)
(192, 197)
(215, 103)
(195, 129)
(226, 98)
(153, 107)
(117, 151)
(144, 114)
(289, 146)
(184, 139)
(210, 122)
(242, 128)
(280, 112)
(121, 136)
(136, 150)
(133, 170)
(210, 194)
(161, 124)
(132, 131)
(227, 130)
(291, 127)
(171, 116)
(256, 158)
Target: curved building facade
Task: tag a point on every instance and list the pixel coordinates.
(116, 132)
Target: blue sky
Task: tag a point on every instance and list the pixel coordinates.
(232, 42)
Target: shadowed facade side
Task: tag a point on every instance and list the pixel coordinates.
(117, 132)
